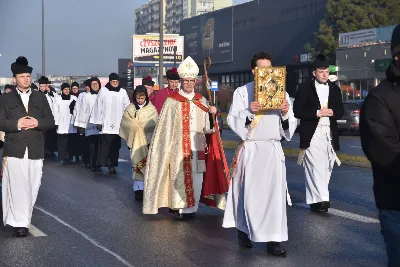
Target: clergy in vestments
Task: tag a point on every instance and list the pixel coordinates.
(176, 160)
(66, 132)
(318, 104)
(50, 136)
(84, 108)
(24, 115)
(173, 83)
(149, 84)
(258, 194)
(106, 115)
(137, 127)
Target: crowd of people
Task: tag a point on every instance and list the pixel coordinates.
(176, 155)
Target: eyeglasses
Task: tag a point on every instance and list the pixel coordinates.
(189, 81)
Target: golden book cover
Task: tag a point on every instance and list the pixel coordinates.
(270, 87)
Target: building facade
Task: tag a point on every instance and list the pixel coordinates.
(147, 18)
(232, 36)
(362, 59)
(178, 10)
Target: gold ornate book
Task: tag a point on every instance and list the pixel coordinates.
(270, 87)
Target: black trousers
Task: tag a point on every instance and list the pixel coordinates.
(66, 144)
(50, 140)
(110, 145)
(93, 143)
(85, 149)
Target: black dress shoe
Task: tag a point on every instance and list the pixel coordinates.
(320, 207)
(65, 162)
(244, 240)
(139, 195)
(21, 231)
(275, 249)
(183, 216)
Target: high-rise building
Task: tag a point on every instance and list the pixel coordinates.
(147, 18)
(178, 10)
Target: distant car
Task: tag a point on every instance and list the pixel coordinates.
(351, 118)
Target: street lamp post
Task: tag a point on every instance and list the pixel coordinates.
(161, 62)
(43, 50)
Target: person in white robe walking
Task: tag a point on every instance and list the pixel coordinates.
(257, 197)
(24, 115)
(66, 132)
(84, 108)
(107, 115)
(318, 105)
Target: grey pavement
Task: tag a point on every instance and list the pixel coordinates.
(349, 142)
(93, 220)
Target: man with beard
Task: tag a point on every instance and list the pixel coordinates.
(24, 115)
(106, 115)
(137, 127)
(50, 136)
(379, 132)
(84, 108)
(173, 83)
(319, 105)
(66, 132)
(176, 160)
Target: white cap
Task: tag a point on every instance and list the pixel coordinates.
(188, 69)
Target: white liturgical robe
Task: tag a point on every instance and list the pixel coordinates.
(109, 109)
(83, 110)
(62, 115)
(257, 197)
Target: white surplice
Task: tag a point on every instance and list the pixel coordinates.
(256, 203)
(197, 176)
(62, 115)
(50, 100)
(320, 157)
(109, 109)
(83, 110)
(20, 184)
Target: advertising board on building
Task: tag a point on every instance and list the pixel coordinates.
(146, 48)
(381, 34)
(209, 35)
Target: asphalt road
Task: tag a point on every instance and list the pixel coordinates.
(93, 220)
(349, 142)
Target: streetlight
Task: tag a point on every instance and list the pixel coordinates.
(43, 52)
(161, 62)
(0, 67)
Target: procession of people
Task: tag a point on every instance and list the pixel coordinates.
(172, 135)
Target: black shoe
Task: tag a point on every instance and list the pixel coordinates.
(139, 195)
(112, 170)
(275, 249)
(244, 240)
(320, 207)
(21, 231)
(65, 162)
(183, 216)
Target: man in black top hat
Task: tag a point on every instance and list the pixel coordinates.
(379, 132)
(319, 105)
(24, 115)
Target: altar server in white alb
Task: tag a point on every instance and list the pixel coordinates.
(257, 197)
(83, 110)
(24, 116)
(107, 115)
(319, 105)
(66, 132)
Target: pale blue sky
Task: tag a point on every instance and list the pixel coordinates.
(82, 36)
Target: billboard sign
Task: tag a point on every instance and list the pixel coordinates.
(146, 48)
(209, 35)
(368, 36)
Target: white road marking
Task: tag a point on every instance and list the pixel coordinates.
(344, 214)
(355, 146)
(122, 160)
(33, 230)
(94, 242)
